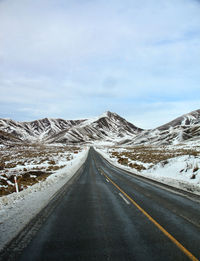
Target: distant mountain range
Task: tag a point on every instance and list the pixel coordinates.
(108, 128)
(184, 128)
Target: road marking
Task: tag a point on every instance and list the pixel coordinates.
(127, 202)
(179, 245)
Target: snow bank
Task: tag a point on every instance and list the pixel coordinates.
(17, 209)
(177, 172)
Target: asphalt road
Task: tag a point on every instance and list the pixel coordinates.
(106, 214)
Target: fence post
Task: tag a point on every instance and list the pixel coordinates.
(16, 185)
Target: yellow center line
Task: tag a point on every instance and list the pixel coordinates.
(179, 245)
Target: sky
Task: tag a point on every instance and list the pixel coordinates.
(76, 59)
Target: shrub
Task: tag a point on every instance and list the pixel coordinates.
(10, 165)
(52, 162)
(123, 161)
(2, 165)
(195, 169)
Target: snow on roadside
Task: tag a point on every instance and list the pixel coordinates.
(17, 209)
(177, 172)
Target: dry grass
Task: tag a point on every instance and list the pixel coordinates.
(148, 154)
(31, 164)
(27, 179)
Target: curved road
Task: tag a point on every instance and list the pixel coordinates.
(107, 214)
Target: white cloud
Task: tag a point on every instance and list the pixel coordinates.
(92, 55)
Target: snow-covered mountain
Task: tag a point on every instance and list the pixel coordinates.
(107, 127)
(184, 128)
(186, 120)
(36, 130)
(8, 138)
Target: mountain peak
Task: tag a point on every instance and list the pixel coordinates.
(107, 114)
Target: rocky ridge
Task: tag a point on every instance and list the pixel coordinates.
(182, 129)
(107, 128)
